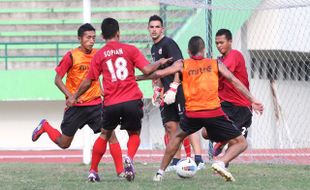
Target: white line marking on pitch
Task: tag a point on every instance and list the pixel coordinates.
(142, 155)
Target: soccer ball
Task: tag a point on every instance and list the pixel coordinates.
(186, 168)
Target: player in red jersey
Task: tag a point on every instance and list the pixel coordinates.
(116, 62)
(235, 105)
(88, 110)
(202, 106)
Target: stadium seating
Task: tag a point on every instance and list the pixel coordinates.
(25, 22)
(35, 34)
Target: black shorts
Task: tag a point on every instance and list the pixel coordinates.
(173, 112)
(218, 128)
(240, 115)
(127, 114)
(78, 116)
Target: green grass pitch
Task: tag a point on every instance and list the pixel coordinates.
(15, 176)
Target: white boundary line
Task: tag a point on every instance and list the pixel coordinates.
(146, 155)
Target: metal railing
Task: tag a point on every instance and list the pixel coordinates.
(9, 47)
(8, 50)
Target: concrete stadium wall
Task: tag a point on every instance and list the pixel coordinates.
(291, 130)
(19, 118)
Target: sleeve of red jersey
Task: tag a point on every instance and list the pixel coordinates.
(237, 59)
(64, 65)
(138, 58)
(94, 70)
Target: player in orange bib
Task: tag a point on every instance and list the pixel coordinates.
(123, 105)
(88, 110)
(203, 108)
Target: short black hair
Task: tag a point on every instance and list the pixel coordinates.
(156, 18)
(225, 32)
(109, 28)
(195, 45)
(85, 27)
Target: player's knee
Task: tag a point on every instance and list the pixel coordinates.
(204, 133)
(171, 126)
(240, 141)
(64, 146)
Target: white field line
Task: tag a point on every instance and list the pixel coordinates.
(46, 156)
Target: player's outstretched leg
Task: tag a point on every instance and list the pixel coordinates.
(38, 131)
(129, 169)
(235, 147)
(170, 151)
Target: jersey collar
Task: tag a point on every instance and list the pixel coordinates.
(199, 57)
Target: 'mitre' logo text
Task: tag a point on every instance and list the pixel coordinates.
(200, 70)
(84, 67)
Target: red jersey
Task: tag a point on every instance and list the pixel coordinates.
(235, 63)
(76, 64)
(116, 62)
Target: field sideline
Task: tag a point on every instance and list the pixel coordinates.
(285, 156)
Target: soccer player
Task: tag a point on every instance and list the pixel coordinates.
(172, 109)
(203, 108)
(88, 110)
(235, 105)
(116, 62)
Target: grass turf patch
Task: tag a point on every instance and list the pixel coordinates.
(74, 176)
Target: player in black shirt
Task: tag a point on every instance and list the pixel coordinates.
(174, 102)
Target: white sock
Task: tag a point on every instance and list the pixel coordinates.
(221, 163)
(161, 172)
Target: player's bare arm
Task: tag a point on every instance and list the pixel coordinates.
(152, 67)
(174, 68)
(177, 78)
(62, 87)
(257, 106)
(101, 88)
(84, 86)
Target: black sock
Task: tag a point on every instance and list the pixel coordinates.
(226, 165)
(175, 161)
(198, 159)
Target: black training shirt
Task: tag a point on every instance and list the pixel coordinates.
(166, 48)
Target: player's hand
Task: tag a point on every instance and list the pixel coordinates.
(169, 96)
(163, 61)
(258, 107)
(71, 100)
(156, 98)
